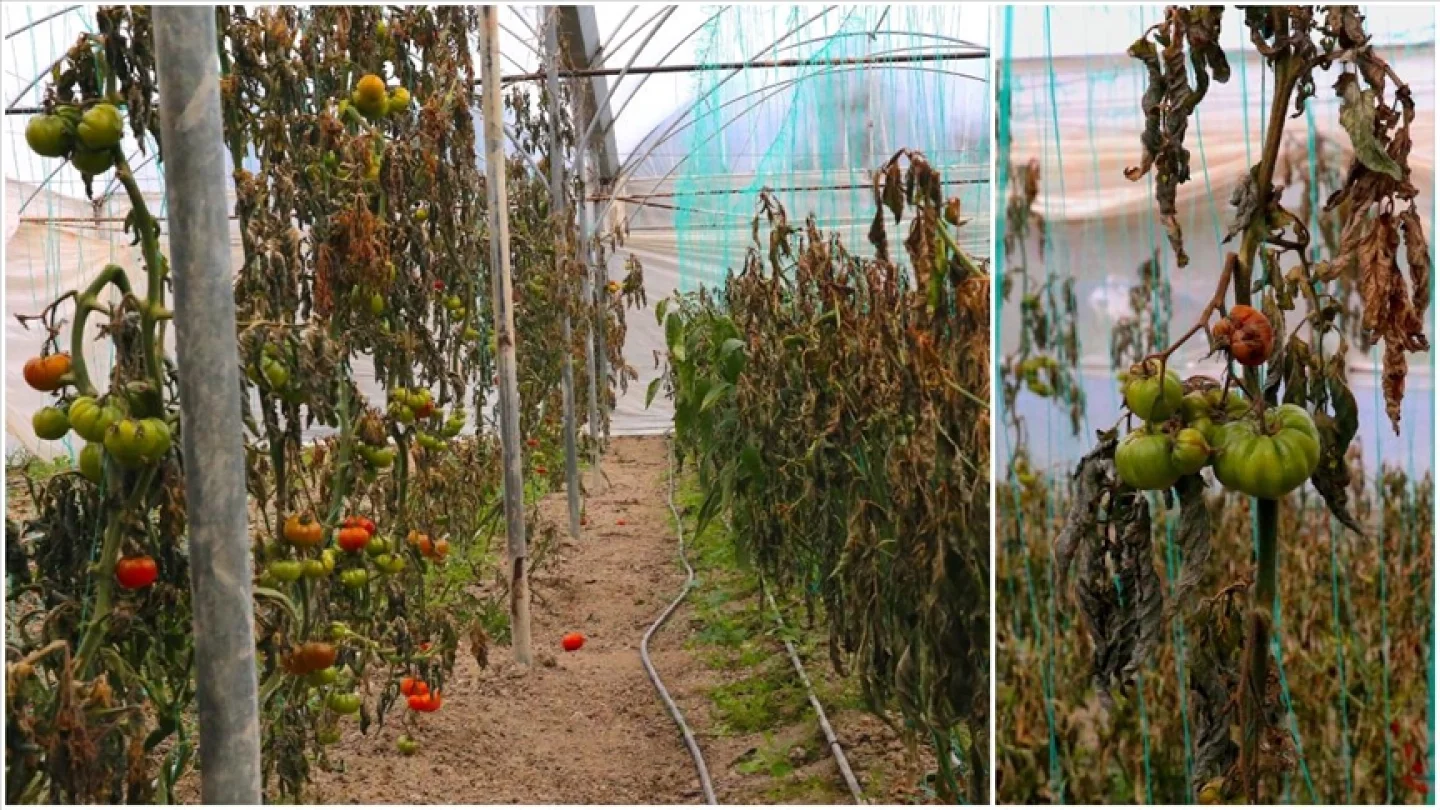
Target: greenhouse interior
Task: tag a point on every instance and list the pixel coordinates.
(516, 376)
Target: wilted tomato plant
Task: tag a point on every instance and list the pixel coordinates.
(1263, 436)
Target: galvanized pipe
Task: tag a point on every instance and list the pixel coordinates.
(587, 294)
(502, 296)
(212, 441)
(560, 212)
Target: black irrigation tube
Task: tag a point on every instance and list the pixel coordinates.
(835, 750)
(659, 622)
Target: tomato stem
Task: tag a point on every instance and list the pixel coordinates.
(1257, 650)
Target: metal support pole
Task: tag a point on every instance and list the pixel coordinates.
(212, 445)
(514, 481)
(587, 294)
(561, 214)
(602, 354)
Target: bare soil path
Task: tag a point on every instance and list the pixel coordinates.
(587, 727)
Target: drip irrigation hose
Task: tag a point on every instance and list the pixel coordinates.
(659, 622)
(830, 738)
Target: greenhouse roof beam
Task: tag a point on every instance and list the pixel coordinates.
(580, 40)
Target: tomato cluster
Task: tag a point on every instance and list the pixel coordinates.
(1264, 454)
(88, 137)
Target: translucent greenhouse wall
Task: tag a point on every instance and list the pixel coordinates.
(740, 131)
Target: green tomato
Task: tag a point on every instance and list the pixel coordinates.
(276, 374)
(322, 677)
(327, 560)
(355, 578)
(127, 443)
(344, 703)
(49, 136)
(285, 570)
(1143, 460)
(1268, 461)
(157, 439)
(313, 569)
(402, 414)
(1191, 451)
(339, 631)
(379, 457)
(90, 419)
(405, 745)
(101, 127)
(470, 335)
(377, 304)
(92, 462)
(1147, 396)
(376, 546)
(92, 161)
(50, 423)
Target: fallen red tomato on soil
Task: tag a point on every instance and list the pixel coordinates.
(572, 642)
(620, 522)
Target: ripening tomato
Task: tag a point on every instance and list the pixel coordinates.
(442, 549)
(303, 530)
(369, 96)
(46, 373)
(1191, 452)
(1267, 461)
(572, 642)
(90, 419)
(1248, 333)
(50, 423)
(353, 539)
(309, 657)
(134, 573)
(398, 102)
(1149, 397)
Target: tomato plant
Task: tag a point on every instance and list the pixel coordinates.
(365, 145)
(1265, 435)
(822, 469)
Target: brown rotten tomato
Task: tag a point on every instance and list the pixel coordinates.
(310, 657)
(1248, 334)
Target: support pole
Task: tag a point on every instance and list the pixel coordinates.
(212, 444)
(587, 294)
(602, 354)
(501, 293)
(561, 214)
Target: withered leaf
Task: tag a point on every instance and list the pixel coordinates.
(1357, 116)
(1192, 538)
(1332, 475)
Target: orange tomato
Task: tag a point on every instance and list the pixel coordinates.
(44, 373)
(413, 686)
(353, 539)
(303, 530)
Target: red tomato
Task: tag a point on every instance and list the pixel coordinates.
(424, 702)
(572, 642)
(136, 572)
(620, 522)
(353, 538)
(410, 687)
(532, 443)
(439, 285)
(541, 471)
